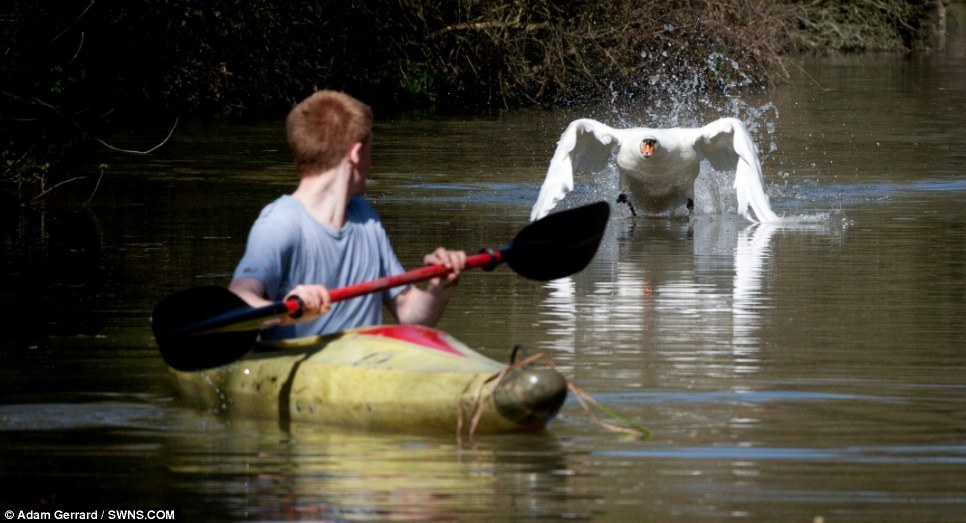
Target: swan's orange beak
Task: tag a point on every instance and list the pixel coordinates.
(647, 147)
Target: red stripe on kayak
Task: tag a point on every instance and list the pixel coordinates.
(417, 335)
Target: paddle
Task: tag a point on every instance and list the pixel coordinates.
(208, 326)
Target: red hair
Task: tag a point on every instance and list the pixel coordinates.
(322, 128)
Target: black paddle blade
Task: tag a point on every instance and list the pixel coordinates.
(176, 315)
(560, 244)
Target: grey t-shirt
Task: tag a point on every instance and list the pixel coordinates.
(287, 247)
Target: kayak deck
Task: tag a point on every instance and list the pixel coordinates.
(395, 378)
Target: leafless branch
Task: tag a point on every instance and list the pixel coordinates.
(79, 46)
(51, 188)
(149, 151)
(84, 12)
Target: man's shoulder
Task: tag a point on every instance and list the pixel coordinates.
(361, 210)
(283, 207)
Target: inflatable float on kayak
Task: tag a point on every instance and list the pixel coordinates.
(399, 377)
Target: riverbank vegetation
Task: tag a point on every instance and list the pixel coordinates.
(74, 76)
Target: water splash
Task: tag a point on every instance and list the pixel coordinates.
(690, 95)
(693, 96)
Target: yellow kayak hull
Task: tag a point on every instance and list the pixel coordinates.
(392, 378)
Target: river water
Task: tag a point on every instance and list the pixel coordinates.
(814, 371)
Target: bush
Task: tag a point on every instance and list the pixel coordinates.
(73, 75)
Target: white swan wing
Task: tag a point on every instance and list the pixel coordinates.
(586, 145)
(727, 145)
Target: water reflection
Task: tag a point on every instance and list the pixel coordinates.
(248, 469)
(691, 293)
(257, 471)
(752, 246)
(47, 252)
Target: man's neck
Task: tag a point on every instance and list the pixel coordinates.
(326, 197)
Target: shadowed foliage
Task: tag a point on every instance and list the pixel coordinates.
(75, 74)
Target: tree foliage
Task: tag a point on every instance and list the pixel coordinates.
(76, 71)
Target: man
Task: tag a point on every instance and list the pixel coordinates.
(326, 235)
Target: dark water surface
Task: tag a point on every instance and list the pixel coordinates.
(811, 370)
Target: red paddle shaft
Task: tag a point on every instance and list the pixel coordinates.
(488, 258)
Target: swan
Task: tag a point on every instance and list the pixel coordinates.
(657, 167)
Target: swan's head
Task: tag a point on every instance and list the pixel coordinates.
(648, 145)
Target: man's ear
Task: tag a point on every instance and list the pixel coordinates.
(355, 153)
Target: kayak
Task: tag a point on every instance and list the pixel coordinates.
(389, 377)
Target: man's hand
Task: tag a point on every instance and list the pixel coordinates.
(315, 300)
(453, 260)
